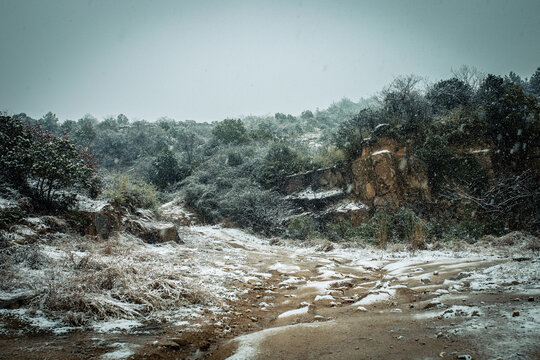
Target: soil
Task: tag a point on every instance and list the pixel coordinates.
(350, 307)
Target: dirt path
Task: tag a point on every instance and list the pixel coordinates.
(300, 303)
(347, 304)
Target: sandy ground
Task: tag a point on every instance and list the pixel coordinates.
(289, 302)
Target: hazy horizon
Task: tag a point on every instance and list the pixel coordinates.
(210, 60)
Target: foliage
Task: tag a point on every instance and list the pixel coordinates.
(448, 94)
(41, 162)
(534, 82)
(223, 190)
(166, 170)
(301, 227)
(342, 229)
(280, 161)
(122, 190)
(253, 208)
(404, 104)
(353, 132)
(230, 131)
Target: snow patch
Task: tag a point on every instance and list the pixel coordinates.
(116, 325)
(294, 312)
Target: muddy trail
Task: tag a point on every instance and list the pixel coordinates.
(347, 303)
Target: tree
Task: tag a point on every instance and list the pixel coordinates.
(307, 115)
(58, 164)
(38, 161)
(279, 162)
(404, 104)
(49, 122)
(230, 131)
(165, 170)
(86, 133)
(534, 83)
(188, 142)
(448, 94)
(470, 75)
(352, 132)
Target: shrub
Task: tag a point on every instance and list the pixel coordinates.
(38, 161)
(250, 207)
(302, 227)
(124, 191)
(230, 131)
(166, 171)
(280, 161)
(342, 229)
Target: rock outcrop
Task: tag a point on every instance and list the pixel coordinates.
(319, 180)
(387, 174)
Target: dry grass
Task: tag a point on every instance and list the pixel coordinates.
(91, 280)
(382, 231)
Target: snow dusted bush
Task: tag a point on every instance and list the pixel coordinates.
(122, 190)
(41, 163)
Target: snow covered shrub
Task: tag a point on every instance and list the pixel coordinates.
(510, 202)
(280, 161)
(122, 190)
(253, 208)
(166, 170)
(42, 163)
(302, 227)
(342, 229)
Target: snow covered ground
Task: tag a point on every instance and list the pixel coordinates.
(71, 283)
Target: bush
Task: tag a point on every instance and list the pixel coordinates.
(47, 165)
(302, 227)
(280, 161)
(342, 229)
(166, 171)
(250, 207)
(230, 131)
(126, 192)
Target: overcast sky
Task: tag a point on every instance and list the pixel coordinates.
(208, 60)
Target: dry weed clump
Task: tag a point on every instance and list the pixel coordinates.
(77, 283)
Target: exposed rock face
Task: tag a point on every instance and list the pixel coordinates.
(353, 211)
(321, 179)
(386, 174)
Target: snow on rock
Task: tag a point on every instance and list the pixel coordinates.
(309, 194)
(375, 297)
(323, 299)
(347, 206)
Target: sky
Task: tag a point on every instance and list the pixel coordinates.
(211, 60)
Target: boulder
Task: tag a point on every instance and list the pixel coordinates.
(102, 222)
(153, 232)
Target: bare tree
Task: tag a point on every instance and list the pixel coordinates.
(469, 75)
(512, 199)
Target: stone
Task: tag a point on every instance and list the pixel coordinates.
(102, 222)
(153, 232)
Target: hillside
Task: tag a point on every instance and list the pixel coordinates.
(406, 222)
